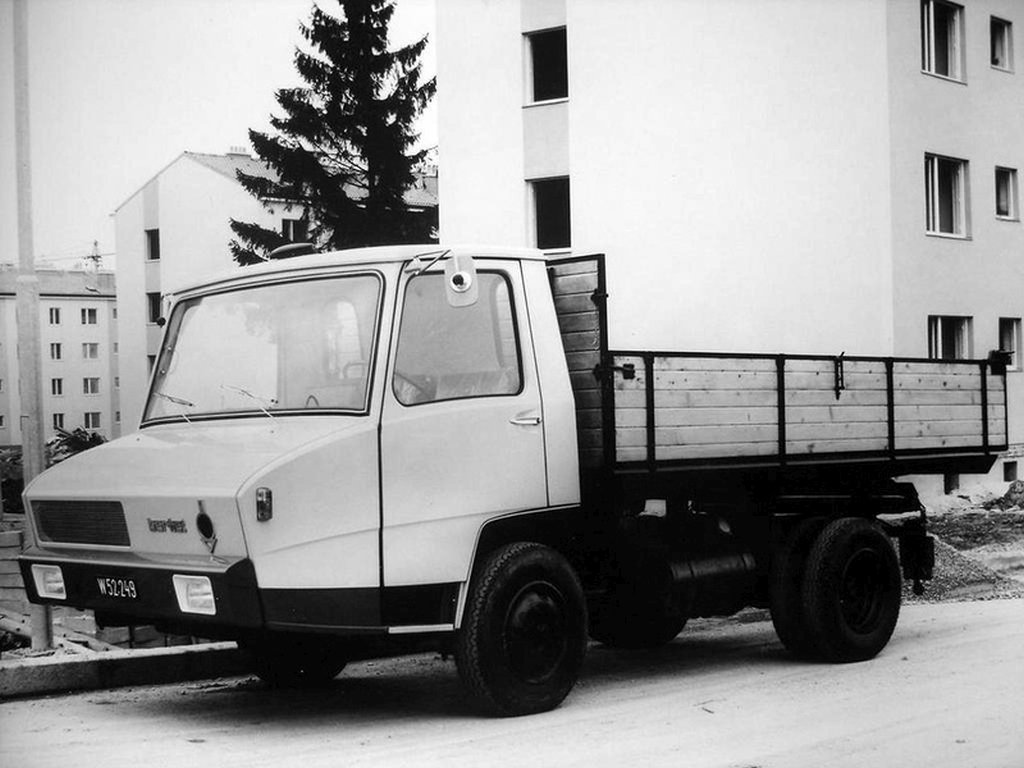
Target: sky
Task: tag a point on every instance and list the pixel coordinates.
(119, 88)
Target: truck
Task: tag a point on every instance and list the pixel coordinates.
(385, 450)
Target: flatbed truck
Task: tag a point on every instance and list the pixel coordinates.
(380, 450)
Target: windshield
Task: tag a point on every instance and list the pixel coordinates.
(284, 347)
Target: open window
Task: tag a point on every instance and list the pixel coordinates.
(548, 64)
(942, 39)
(949, 337)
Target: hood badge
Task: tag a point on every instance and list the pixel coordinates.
(167, 526)
(204, 525)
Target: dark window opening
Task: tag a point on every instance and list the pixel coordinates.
(153, 302)
(153, 244)
(1009, 471)
(550, 65)
(551, 206)
(295, 230)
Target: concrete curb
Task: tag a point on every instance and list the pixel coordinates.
(39, 675)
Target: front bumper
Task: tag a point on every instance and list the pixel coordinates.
(151, 598)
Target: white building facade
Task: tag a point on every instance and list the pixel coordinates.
(793, 176)
(78, 351)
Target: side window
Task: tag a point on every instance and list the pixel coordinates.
(447, 353)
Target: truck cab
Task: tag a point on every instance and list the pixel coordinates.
(324, 439)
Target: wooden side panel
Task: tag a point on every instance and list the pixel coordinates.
(693, 408)
(573, 286)
(820, 421)
(703, 408)
(926, 417)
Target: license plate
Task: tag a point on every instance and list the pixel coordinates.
(123, 589)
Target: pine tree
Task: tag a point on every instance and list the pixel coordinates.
(342, 150)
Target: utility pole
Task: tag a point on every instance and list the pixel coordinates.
(30, 379)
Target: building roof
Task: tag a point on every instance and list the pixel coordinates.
(422, 194)
(228, 165)
(60, 282)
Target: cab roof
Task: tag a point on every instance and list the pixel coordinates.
(359, 256)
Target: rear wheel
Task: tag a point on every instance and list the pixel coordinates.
(523, 634)
(789, 563)
(851, 591)
(295, 662)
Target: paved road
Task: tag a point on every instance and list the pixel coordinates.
(948, 691)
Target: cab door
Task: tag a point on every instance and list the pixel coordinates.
(462, 433)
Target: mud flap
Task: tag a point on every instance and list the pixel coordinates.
(917, 557)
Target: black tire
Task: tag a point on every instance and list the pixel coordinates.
(789, 563)
(851, 591)
(632, 621)
(523, 635)
(295, 662)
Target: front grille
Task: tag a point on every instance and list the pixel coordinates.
(81, 522)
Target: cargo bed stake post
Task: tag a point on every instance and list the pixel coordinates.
(840, 376)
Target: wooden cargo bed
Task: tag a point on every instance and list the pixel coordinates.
(645, 411)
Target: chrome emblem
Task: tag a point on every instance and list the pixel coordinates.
(167, 526)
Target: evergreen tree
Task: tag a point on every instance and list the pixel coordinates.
(341, 152)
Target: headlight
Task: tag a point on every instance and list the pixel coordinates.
(49, 581)
(195, 594)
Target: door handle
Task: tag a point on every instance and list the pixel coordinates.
(525, 421)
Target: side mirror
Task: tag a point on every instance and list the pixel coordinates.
(460, 281)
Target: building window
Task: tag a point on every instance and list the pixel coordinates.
(941, 38)
(294, 230)
(54, 315)
(945, 180)
(115, 347)
(117, 382)
(3, 423)
(1002, 44)
(92, 419)
(56, 387)
(1006, 193)
(551, 213)
(55, 351)
(549, 65)
(153, 303)
(1009, 471)
(88, 316)
(1010, 341)
(153, 244)
(117, 417)
(58, 421)
(1, 385)
(90, 385)
(90, 350)
(949, 337)
(115, 313)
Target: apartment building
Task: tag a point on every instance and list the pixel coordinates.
(79, 353)
(789, 176)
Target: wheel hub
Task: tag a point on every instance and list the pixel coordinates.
(535, 635)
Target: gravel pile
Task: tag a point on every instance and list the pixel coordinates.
(979, 540)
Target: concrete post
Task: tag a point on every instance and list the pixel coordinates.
(27, 302)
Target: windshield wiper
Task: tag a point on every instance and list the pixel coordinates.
(259, 400)
(177, 401)
(417, 267)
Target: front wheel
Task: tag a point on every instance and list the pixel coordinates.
(523, 635)
(851, 590)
